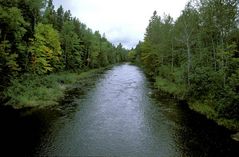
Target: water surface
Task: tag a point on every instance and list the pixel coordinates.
(118, 117)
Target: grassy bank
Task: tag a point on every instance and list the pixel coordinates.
(177, 90)
(205, 108)
(32, 91)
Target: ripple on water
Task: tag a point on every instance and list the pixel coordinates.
(118, 117)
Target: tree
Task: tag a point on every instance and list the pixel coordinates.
(31, 11)
(59, 18)
(149, 48)
(45, 50)
(13, 29)
(67, 16)
(202, 49)
(49, 16)
(104, 49)
(187, 25)
(71, 46)
(30, 43)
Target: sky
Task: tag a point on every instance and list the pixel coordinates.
(122, 21)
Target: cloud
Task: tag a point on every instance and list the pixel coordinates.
(122, 21)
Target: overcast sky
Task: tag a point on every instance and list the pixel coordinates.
(122, 21)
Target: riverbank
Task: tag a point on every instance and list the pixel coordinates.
(32, 91)
(178, 91)
(210, 113)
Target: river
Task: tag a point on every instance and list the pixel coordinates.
(117, 116)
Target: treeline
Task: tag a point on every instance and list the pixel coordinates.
(196, 57)
(36, 38)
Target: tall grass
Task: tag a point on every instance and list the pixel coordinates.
(164, 85)
(209, 111)
(40, 91)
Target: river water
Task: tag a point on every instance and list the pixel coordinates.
(117, 116)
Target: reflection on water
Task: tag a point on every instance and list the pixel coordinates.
(117, 117)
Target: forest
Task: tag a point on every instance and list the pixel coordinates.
(196, 57)
(67, 90)
(37, 40)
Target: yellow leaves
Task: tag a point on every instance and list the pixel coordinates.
(48, 52)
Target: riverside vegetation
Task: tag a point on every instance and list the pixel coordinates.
(196, 57)
(43, 50)
(34, 91)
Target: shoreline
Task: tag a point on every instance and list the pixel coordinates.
(36, 92)
(177, 92)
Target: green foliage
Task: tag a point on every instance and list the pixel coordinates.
(197, 55)
(149, 59)
(8, 60)
(204, 82)
(12, 22)
(132, 55)
(71, 46)
(178, 90)
(40, 91)
(229, 106)
(209, 111)
(45, 50)
(38, 40)
(32, 91)
(49, 14)
(12, 32)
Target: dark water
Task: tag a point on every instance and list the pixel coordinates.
(116, 117)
